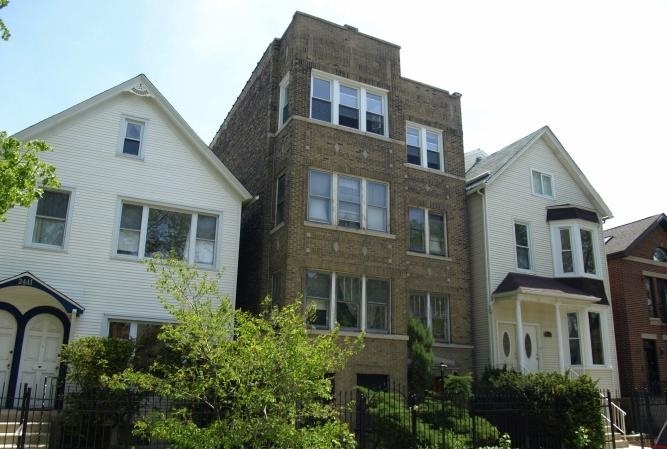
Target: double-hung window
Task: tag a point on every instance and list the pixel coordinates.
(146, 230)
(574, 338)
(348, 201)
(595, 331)
(424, 146)
(354, 302)
(427, 231)
(575, 250)
(433, 311)
(49, 227)
(586, 337)
(283, 102)
(522, 242)
(542, 184)
(348, 103)
(133, 135)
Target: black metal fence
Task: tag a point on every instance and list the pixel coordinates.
(393, 419)
(648, 414)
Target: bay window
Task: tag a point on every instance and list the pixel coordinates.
(576, 249)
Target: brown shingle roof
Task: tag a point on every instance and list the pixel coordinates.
(620, 238)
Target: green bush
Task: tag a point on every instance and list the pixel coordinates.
(555, 404)
(420, 340)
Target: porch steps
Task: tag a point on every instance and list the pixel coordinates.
(37, 431)
(620, 438)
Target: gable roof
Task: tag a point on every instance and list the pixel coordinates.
(621, 239)
(487, 170)
(141, 86)
(27, 279)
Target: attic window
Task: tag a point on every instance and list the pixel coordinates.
(542, 184)
(133, 136)
(660, 255)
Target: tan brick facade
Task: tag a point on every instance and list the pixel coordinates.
(257, 152)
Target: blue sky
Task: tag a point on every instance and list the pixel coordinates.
(594, 71)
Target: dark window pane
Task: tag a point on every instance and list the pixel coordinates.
(318, 287)
(348, 117)
(587, 251)
(374, 123)
(131, 217)
(436, 240)
(522, 258)
(133, 131)
(596, 338)
(119, 329)
(321, 89)
(131, 147)
(414, 155)
(285, 113)
(206, 226)
(348, 301)
(321, 110)
(280, 200)
(417, 228)
(167, 231)
(53, 204)
(433, 159)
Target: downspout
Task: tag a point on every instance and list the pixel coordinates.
(493, 357)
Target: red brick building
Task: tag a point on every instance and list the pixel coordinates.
(637, 259)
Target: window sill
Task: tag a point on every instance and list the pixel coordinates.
(433, 171)
(372, 335)
(53, 249)
(141, 260)
(451, 345)
(653, 321)
(578, 275)
(130, 156)
(428, 256)
(385, 235)
(345, 128)
(277, 227)
(546, 197)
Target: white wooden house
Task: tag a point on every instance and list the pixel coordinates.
(540, 286)
(136, 180)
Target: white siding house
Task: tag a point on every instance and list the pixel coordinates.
(540, 285)
(136, 180)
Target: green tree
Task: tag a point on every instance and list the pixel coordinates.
(22, 175)
(420, 377)
(4, 31)
(245, 380)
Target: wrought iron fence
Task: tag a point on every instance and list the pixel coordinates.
(391, 419)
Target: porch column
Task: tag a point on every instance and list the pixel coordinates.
(519, 335)
(559, 337)
(72, 326)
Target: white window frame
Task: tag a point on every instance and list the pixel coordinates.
(335, 83)
(192, 238)
(429, 313)
(529, 247)
(32, 216)
(123, 130)
(134, 324)
(585, 339)
(427, 232)
(575, 228)
(542, 175)
(283, 100)
(333, 207)
(364, 302)
(423, 130)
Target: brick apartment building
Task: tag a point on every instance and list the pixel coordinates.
(637, 259)
(359, 178)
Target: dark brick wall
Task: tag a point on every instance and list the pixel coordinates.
(251, 145)
(631, 314)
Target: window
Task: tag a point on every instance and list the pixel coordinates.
(276, 287)
(145, 334)
(347, 103)
(576, 251)
(50, 224)
(283, 102)
(522, 242)
(660, 255)
(146, 230)
(132, 137)
(433, 311)
(542, 184)
(356, 203)
(359, 303)
(595, 328)
(427, 236)
(574, 338)
(656, 297)
(424, 146)
(280, 199)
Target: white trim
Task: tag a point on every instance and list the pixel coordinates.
(144, 122)
(32, 214)
(282, 99)
(423, 130)
(529, 246)
(542, 173)
(427, 232)
(653, 274)
(575, 227)
(650, 336)
(334, 91)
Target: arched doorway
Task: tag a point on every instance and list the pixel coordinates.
(8, 328)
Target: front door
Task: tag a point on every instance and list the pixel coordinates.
(507, 345)
(7, 338)
(39, 357)
(530, 345)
